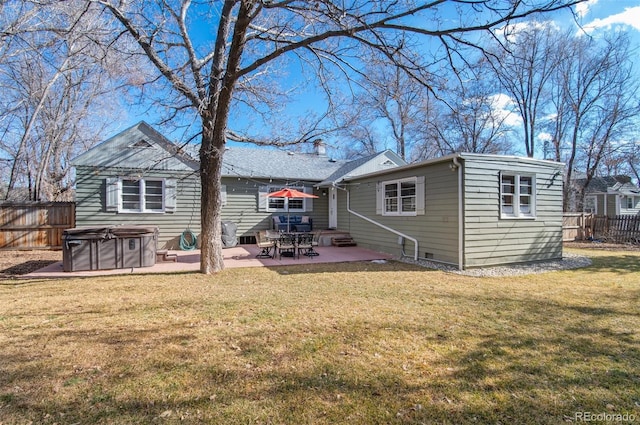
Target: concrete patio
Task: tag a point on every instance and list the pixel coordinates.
(239, 256)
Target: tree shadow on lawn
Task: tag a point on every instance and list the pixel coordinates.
(531, 363)
(545, 375)
(25, 267)
(622, 264)
(577, 363)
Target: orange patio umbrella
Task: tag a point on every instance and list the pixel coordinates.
(289, 193)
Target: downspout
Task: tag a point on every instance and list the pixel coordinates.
(357, 214)
(458, 166)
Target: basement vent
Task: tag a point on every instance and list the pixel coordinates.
(247, 240)
(428, 255)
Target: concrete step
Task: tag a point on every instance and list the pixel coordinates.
(326, 236)
(343, 241)
(163, 256)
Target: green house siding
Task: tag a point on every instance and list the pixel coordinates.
(436, 230)
(242, 207)
(610, 200)
(490, 239)
(91, 204)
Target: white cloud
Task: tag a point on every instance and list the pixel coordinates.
(582, 9)
(545, 137)
(630, 17)
(504, 106)
(512, 31)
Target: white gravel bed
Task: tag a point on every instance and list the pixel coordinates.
(569, 261)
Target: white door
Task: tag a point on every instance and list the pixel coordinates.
(333, 208)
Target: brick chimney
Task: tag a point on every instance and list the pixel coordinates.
(320, 147)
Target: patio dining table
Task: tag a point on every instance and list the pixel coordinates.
(296, 236)
(275, 235)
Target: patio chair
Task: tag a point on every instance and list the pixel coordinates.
(265, 246)
(305, 245)
(286, 245)
(315, 241)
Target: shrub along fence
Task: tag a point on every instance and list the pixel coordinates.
(618, 229)
(35, 225)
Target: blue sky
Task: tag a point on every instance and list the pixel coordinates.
(606, 14)
(594, 15)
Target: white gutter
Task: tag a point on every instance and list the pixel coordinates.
(357, 214)
(458, 166)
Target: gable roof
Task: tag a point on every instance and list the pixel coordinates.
(137, 147)
(607, 184)
(142, 147)
(368, 164)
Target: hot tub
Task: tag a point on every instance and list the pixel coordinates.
(109, 247)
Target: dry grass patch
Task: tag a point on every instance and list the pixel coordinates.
(340, 343)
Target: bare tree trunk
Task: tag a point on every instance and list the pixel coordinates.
(211, 152)
(214, 135)
(322, 32)
(31, 123)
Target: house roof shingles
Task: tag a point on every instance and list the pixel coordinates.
(139, 146)
(346, 168)
(277, 164)
(142, 147)
(621, 184)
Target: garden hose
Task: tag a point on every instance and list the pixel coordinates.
(184, 237)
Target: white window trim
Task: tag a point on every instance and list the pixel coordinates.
(595, 204)
(142, 198)
(624, 204)
(115, 202)
(307, 203)
(398, 183)
(517, 214)
(223, 195)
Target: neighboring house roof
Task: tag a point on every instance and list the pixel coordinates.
(609, 184)
(137, 147)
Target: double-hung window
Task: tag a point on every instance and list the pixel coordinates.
(629, 204)
(590, 204)
(272, 204)
(140, 195)
(286, 204)
(517, 196)
(399, 197)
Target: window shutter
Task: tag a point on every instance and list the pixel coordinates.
(308, 202)
(379, 198)
(170, 195)
(420, 195)
(223, 194)
(112, 195)
(263, 201)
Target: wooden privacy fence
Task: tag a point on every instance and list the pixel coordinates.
(618, 229)
(35, 225)
(574, 226)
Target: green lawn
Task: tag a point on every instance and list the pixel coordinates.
(357, 343)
